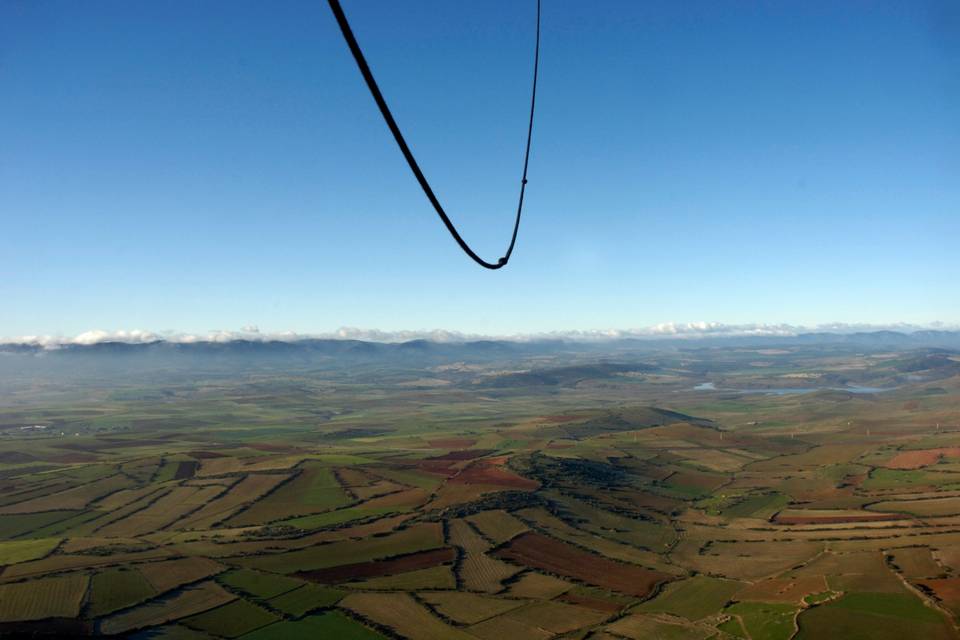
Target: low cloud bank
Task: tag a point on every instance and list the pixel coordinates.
(688, 330)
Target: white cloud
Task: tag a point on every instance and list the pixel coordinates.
(96, 336)
(690, 330)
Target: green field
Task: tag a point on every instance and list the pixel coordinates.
(764, 621)
(694, 598)
(16, 551)
(231, 620)
(327, 625)
(28, 525)
(874, 615)
(305, 599)
(416, 538)
(762, 506)
(258, 584)
(117, 588)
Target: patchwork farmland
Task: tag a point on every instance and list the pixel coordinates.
(549, 496)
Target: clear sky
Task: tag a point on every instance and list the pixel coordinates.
(174, 165)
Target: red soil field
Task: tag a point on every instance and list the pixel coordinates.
(855, 480)
(446, 468)
(540, 552)
(492, 472)
(879, 517)
(560, 419)
(400, 564)
(921, 457)
(947, 591)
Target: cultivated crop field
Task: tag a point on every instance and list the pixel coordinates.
(563, 494)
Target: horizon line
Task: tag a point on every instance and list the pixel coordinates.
(670, 330)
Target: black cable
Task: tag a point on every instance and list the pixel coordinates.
(395, 130)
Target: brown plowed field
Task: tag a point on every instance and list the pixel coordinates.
(205, 455)
(947, 591)
(71, 458)
(492, 472)
(402, 564)
(540, 552)
(921, 457)
(447, 468)
(848, 519)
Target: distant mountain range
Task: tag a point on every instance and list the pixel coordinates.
(333, 353)
(481, 348)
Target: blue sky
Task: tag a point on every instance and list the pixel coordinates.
(187, 166)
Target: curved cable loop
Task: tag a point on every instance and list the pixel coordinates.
(408, 155)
